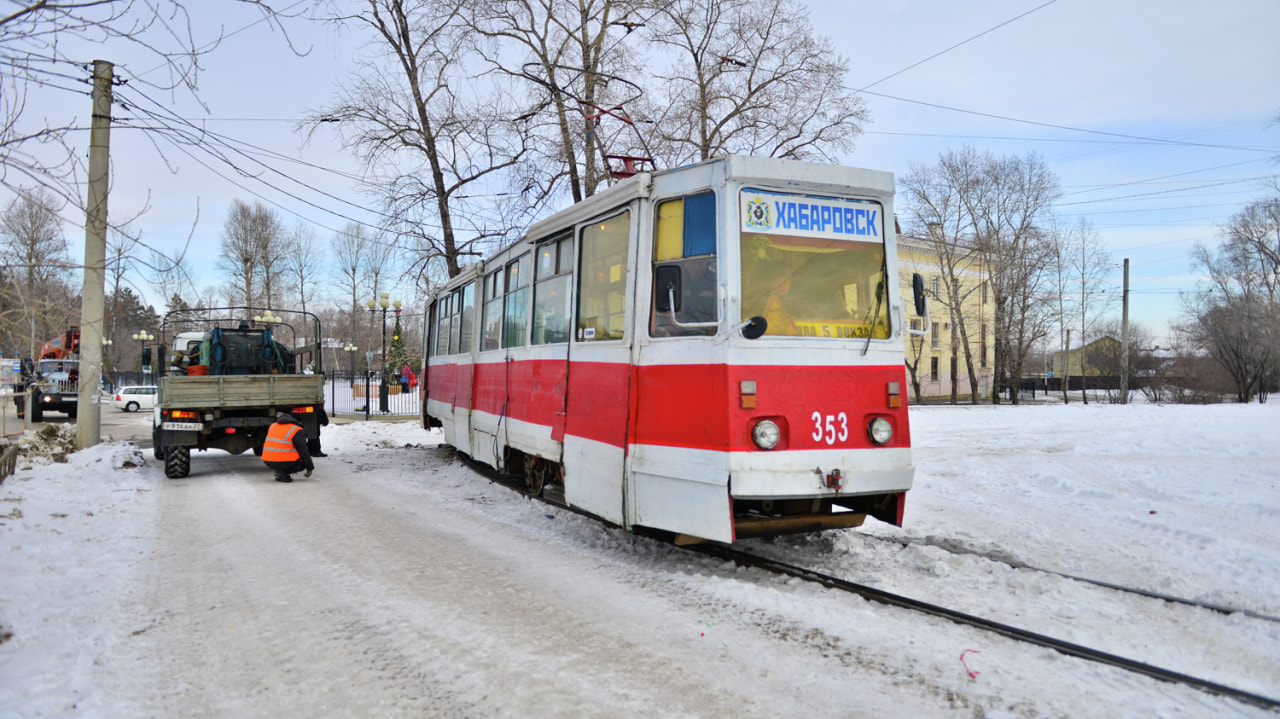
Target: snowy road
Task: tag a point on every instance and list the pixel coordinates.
(353, 604)
(397, 583)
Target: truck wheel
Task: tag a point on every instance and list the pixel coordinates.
(37, 412)
(73, 412)
(156, 449)
(177, 462)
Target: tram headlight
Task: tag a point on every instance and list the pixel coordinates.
(766, 434)
(879, 430)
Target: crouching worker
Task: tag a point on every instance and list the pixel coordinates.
(285, 449)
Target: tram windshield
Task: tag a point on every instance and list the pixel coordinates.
(814, 266)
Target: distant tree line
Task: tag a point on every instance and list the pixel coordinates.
(989, 220)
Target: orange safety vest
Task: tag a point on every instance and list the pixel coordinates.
(278, 446)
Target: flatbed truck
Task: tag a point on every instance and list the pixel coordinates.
(224, 391)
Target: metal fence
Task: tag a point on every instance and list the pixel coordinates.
(361, 394)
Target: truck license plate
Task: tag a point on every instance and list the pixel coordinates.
(191, 426)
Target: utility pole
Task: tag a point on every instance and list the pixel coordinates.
(1124, 338)
(88, 406)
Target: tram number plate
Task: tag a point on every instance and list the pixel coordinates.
(187, 426)
(830, 428)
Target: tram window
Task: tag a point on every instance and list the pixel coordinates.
(685, 251)
(551, 292)
(816, 271)
(491, 333)
(429, 329)
(455, 322)
(602, 279)
(442, 325)
(433, 344)
(467, 317)
(516, 304)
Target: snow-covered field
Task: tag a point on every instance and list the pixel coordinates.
(397, 583)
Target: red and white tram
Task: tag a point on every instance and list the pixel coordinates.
(615, 357)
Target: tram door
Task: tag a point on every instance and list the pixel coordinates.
(598, 395)
(678, 469)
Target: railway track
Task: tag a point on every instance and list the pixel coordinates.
(1022, 635)
(1219, 608)
(739, 557)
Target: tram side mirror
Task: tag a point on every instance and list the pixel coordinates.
(667, 288)
(917, 289)
(755, 328)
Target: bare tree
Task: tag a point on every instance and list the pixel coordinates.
(37, 270)
(1009, 200)
(429, 135)
(938, 215)
(1080, 276)
(349, 249)
(752, 78)
(569, 51)
(1254, 232)
(171, 279)
(1240, 332)
(1188, 374)
(32, 230)
(122, 242)
(1236, 315)
(302, 263)
(380, 261)
(251, 252)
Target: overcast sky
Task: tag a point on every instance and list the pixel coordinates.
(1157, 116)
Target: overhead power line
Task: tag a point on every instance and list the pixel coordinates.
(966, 41)
(1069, 128)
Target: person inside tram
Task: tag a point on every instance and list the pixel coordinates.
(775, 311)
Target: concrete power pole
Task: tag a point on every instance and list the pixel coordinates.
(88, 419)
(1124, 338)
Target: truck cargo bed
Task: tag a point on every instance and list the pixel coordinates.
(228, 391)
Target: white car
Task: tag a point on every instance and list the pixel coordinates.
(131, 399)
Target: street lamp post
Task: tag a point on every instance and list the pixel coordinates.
(373, 306)
(144, 337)
(106, 349)
(350, 349)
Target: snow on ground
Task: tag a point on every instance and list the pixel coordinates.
(397, 583)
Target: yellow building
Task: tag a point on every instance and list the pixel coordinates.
(1098, 358)
(931, 357)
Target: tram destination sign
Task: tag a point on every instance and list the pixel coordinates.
(806, 216)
